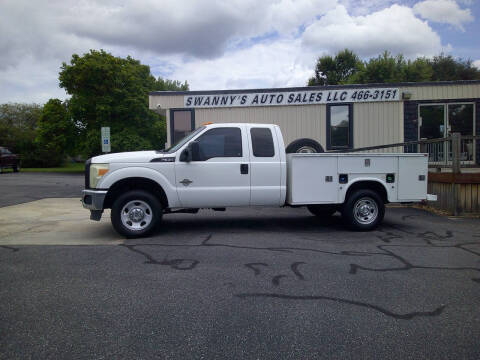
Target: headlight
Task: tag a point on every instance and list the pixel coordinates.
(96, 173)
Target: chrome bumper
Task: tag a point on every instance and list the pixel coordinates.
(93, 199)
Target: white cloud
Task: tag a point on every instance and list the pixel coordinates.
(444, 11)
(275, 64)
(476, 63)
(211, 44)
(395, 29)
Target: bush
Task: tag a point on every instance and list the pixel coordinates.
(128, 140)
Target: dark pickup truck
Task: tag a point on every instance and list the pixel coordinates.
(8, 160)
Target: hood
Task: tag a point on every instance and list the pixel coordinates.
(128, 157)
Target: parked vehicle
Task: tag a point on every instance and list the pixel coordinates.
(223, 165)
(8, 160)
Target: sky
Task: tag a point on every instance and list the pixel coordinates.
(229, 44)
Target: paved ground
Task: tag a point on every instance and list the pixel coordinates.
(258, 284)
(16, 188)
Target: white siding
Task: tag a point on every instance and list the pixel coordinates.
(377, 124)
(454, 91)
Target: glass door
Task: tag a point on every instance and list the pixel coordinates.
(439, 121)
(461, 120)
(432, 125)
(182, 123)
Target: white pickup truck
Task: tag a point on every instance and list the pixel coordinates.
(222, 165)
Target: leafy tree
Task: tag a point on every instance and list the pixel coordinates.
(56, 133)
(170, 85)
(389, 68)
(384, 68)
(129, 140)
(446, 68)
(112, 91)
(335, 70)
(18, 125)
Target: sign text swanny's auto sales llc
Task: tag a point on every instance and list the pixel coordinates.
(292, 98)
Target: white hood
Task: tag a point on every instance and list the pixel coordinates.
(127, 157)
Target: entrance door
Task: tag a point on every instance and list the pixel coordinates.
(461, 120)
(221, 176)
(439, 121)
(432, 126)
(182, 123)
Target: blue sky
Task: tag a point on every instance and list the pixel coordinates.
(222, 44)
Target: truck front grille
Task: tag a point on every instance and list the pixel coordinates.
(87, 173)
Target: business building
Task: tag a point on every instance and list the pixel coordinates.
(338, 117)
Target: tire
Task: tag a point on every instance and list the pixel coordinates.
(136, 213)
(363, 210)
(304, 146)
(322, 211)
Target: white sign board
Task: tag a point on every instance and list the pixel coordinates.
(292, 98)
(106, 139)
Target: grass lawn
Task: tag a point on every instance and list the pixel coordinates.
(68, 168)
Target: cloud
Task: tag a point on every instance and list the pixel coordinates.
(444, 11)
(476, 63)
(273, 64)
(196, 28)
(395, 29)
(211, 44)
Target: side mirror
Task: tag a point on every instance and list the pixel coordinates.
(194, 148)
(191, 153)
(186, 155)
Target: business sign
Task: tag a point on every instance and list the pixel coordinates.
(106, 139)
(292, 98)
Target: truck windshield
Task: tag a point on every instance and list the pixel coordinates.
(181, 142)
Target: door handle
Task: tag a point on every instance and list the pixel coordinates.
(243, 168)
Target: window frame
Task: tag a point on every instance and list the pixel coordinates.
(222, 127)
(350, 127)
(273, 141)
(172, 123)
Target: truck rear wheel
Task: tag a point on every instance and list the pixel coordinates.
(322, 211)
(363, 210)
(136, 213)
(304, 146)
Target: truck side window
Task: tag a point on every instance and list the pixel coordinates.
(220, 142)
(262, 142)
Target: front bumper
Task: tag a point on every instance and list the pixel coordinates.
(93, 199)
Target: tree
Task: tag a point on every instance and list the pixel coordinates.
(170, 85)
(346, 68)
(335, 70)
(18, 125)
(384, 68)
(112, 91)
(447, 68)
(56, 133)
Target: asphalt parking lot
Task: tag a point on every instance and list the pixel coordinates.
(262, 283)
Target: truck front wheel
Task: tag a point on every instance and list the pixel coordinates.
(136, 213)
(363, 210)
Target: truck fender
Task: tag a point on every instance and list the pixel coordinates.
(364, 179)
(141, 172)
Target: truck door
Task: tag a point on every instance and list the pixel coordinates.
(265, 166)
(221, 177)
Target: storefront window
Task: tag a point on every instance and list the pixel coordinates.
(339, 126)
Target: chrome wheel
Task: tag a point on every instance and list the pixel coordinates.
(136, 215)
(306, 150)
(365, 210)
